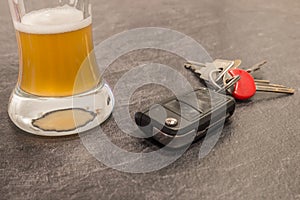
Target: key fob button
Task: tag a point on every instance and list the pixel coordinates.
(182, 109)
(171, 122)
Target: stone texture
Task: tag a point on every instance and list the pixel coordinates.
(258, 155)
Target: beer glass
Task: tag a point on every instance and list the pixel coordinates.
(59, 89)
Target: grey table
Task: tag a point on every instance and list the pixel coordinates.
(258, 154)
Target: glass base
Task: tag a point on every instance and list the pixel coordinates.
(61, 116)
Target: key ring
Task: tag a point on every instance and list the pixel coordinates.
(212, 79)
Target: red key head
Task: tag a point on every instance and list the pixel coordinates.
(245, 88)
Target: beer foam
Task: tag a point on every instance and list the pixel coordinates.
(53, 20)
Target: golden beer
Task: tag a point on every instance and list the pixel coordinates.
(59, 91)
(58, 61)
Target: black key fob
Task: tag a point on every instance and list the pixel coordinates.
(176, 118)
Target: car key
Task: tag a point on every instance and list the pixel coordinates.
(201, 70)
(183, 118)
(221, 65)
(211, 73)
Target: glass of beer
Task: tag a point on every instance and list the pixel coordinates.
(59, 89)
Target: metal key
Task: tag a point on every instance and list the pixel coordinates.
(212, 73)
(246, 87)
(194, 66)
(268, 87)
(205, 72)
(256, 67)
(265, 85)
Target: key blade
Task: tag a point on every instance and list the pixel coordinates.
(256, 66)
(193, 63)
(270, 85)
(275, 89)
(198, 72)
(192, 66)
(262, 81)
(187, 66)
(199, 69)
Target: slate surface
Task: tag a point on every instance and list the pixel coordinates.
(258, 155)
